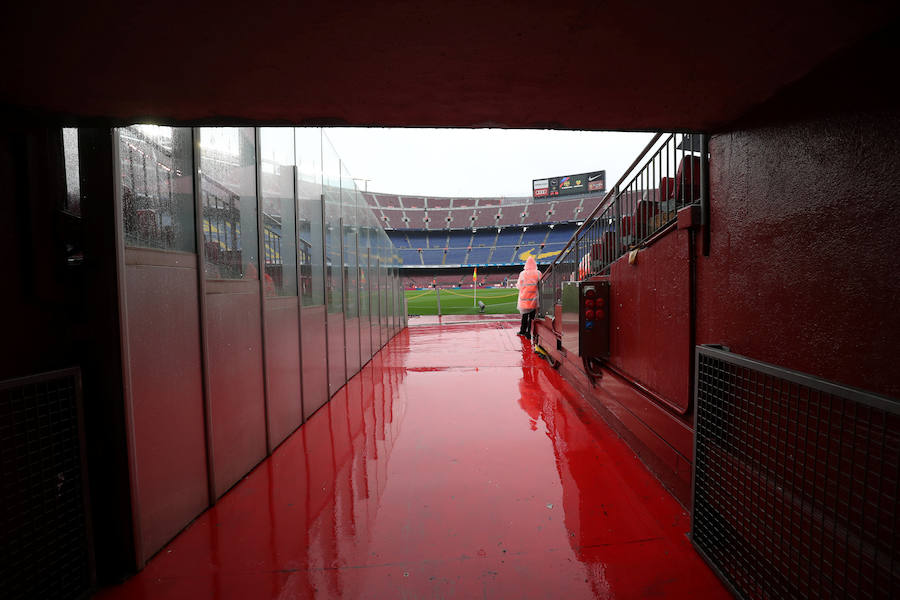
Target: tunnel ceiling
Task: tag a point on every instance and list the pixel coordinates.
(581, 65)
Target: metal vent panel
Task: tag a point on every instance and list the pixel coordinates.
(45, 549)
(795, 482)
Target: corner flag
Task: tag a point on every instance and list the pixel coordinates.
(475, 274)
(474, 285)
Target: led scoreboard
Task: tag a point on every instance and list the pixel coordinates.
(568, 185)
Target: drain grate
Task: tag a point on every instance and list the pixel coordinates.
(45, 549)
(795, 482)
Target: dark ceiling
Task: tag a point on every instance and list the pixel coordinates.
(580, 65)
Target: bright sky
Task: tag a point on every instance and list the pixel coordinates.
(478, 162)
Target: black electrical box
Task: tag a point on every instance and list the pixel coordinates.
(593, 319)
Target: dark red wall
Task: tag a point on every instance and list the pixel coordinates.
(649, 319)
(804, 268)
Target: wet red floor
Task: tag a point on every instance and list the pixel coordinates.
(457, 464)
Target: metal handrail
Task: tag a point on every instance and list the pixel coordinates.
(667, 175)
(602, 203)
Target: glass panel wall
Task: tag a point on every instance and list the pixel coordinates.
(228, 200)
(156, 169)
(351, 291)
(331, 185)
(276, 151)
(311, 254)
(311, 244)
(362, 237)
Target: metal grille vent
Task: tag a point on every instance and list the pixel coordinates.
(45, 551)
(795, 482)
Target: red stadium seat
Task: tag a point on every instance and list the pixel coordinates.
(687, 180)
(666, 188)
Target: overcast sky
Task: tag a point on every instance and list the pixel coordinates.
(478, 162)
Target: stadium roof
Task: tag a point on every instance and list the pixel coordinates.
(694, 65)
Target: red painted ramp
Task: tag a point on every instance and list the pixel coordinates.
(457, 464)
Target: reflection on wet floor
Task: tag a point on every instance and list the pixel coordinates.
(457, 464)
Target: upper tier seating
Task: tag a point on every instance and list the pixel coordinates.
(387, 200)
(460, 219)
(565, 210)
(438, 202)
(438, 219)
(511, 215)
(413, 202)
(485, 217)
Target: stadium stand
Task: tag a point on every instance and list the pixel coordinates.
(484, 237)
(410, 257)
(432, 257)
(566, 210)
(479, 256)
(503, 277)
(508, 237)
(456, 256)
(533, 235)
(438, 203)
(413, 202)
(383, 200)
(437, 239)
(460, 219)
(464, 232)
(509, 216)
(459, 239)
(485, 217)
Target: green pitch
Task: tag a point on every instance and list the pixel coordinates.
(459, 302)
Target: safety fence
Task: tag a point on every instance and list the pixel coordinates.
(45, 547)
(668, 175)
(795, 482)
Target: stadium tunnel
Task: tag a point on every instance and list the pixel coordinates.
(750, 336)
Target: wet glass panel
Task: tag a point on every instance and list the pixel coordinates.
(310, 243)
(331, 186)
(362, 237)
(73, 176)
(334, 276)
(348, 212)
(156, 169)
(228, 200)
(276, 150)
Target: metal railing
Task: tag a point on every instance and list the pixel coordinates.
(795, 489)
(667, 175)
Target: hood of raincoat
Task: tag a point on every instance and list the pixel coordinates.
(530, 264)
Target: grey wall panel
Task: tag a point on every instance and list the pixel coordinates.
(315, 374)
